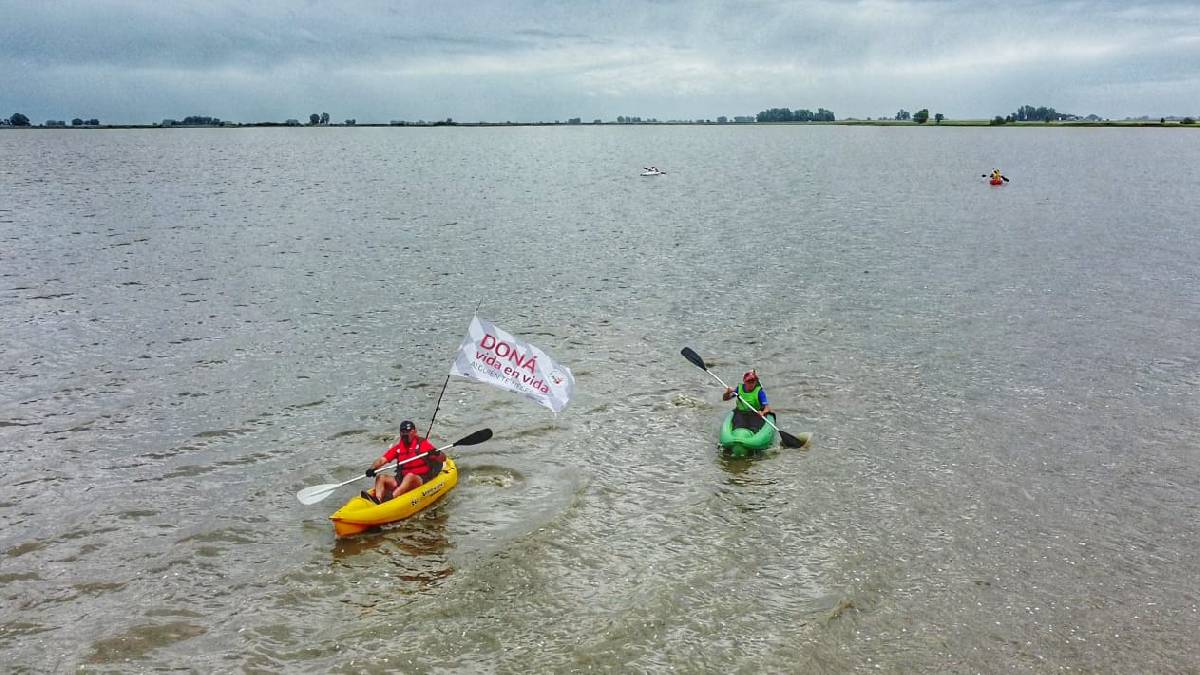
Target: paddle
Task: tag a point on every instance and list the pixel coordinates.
(1002, 176)
(787, 439)
(314, 494)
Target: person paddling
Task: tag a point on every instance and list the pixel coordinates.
(750, 397)
(409, 475)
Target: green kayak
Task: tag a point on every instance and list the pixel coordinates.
(743, 442)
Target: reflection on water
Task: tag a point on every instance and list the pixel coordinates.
(422, 535)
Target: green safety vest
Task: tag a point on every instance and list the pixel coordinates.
(747, 401)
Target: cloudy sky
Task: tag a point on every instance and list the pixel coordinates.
(532, 60)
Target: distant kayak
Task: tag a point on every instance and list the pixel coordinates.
(654, 173)
(359, 515)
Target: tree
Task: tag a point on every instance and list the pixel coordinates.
(938, 118)
(997, 120)
(1187, 120)
(93, 122)
(18, 120)
(351, 122)
(903, 115)
(1028, 113)
(324, 118)
(76, 122)
(921, 116)
(314, 119)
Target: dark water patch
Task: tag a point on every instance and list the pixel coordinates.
(534, 431)
(16, 423)
(17, 631)
(208, 551)
(18, 576)
(254, 458)
(182, 472)
(223, 433)
(86, 532)
(137, 514)
(37, 481)
(27, 547)
(172, 452)
(348, 432)
(302, 406)
(95, 588)
(139, 641)
(172, 612)
(499, 404)
(222, 536)
(52, 296)
(86, 426)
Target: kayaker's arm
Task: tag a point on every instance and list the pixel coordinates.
(378, 463)
(762, 401)
(383, 459)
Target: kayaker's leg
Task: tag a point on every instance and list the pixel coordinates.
(384, 484)
(411, 481)
(747, 419)
(744, 419)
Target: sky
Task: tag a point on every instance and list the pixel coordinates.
(126, 61)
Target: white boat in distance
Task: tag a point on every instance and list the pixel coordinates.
(653, 171)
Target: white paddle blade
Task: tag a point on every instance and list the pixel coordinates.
(314, 494)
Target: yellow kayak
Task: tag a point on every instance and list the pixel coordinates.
(359, 515)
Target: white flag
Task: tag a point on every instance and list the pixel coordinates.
(491, 355)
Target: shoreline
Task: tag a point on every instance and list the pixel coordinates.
(848, 122)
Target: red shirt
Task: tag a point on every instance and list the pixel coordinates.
(400, 452)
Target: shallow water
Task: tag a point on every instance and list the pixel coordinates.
(1000, 383)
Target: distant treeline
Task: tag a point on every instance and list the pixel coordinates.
(1028, 113)
(193, 120)
(788, 115)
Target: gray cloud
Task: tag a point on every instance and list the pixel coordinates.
(532, 60)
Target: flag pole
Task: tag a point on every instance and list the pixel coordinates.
(435, 408)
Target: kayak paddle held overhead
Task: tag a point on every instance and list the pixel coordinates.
(787, 439)
(316, 493)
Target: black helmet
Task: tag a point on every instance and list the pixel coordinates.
(407, 425)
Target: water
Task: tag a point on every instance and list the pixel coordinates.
(1000, 383)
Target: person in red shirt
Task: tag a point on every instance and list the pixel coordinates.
(410, 475)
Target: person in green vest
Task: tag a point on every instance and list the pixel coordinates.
(750, 397)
